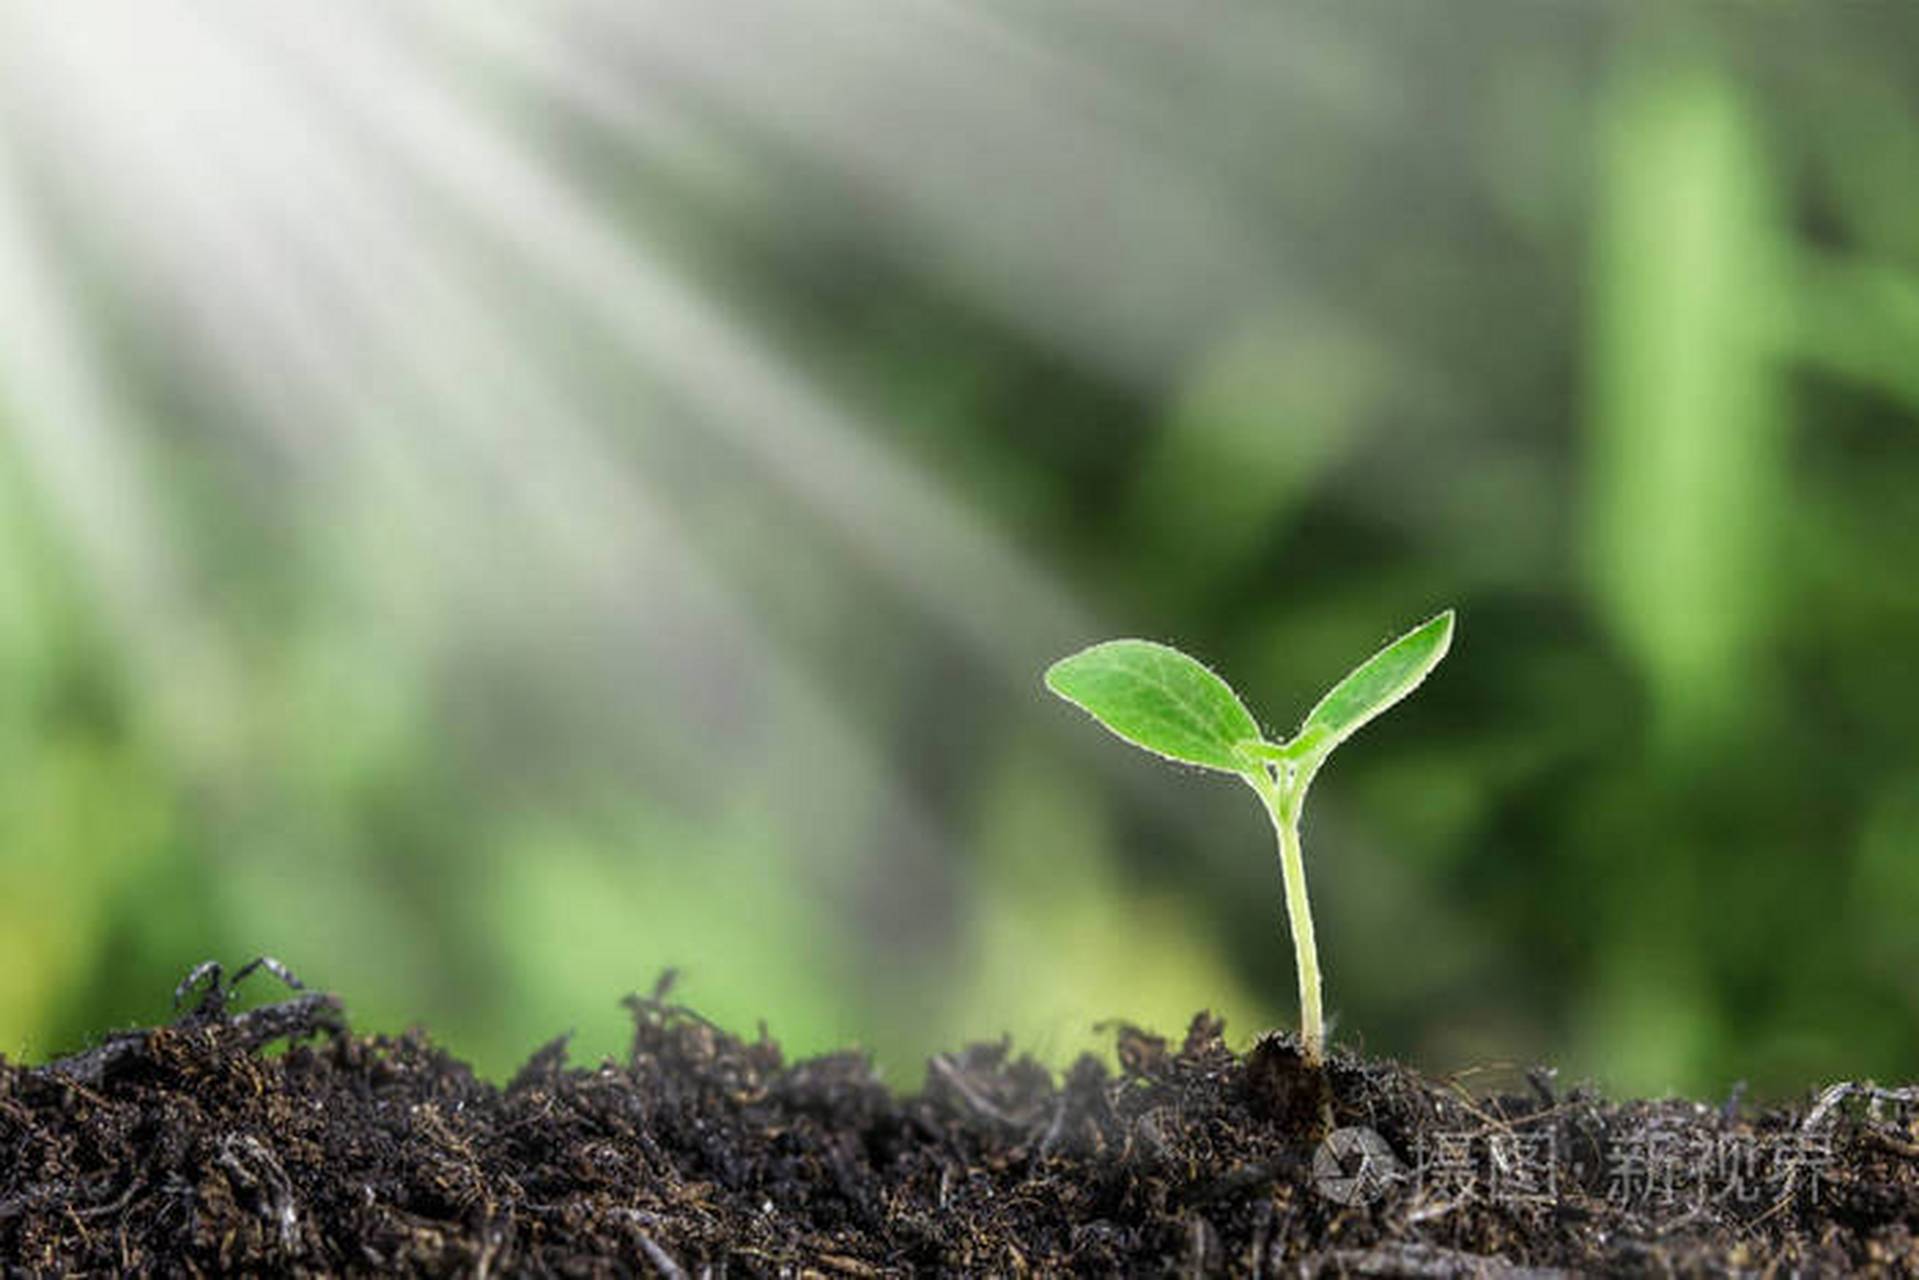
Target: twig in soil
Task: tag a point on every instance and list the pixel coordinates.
(1898, 1146)
(968, 1094)
(1425, 1260)
(304, 1015)
(655, 1009)
(1845, 1089)
(1427, 1211)
(1822, 1111)
(255, 1170)
(119, 1202)
(662, 1260)
(1054, 1131)
(214, 1000)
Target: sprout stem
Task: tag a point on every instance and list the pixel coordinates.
(1281, 797)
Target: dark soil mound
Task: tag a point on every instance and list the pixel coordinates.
(183, 1149)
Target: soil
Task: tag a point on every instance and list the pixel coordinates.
(192, 1148)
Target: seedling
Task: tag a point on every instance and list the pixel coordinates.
(1156, 697)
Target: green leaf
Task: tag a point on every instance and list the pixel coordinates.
(1158, 698)
(1376, 684)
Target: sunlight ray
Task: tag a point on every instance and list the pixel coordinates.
(886, 513)
(55, 403)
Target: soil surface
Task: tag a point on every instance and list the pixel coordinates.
(185, 1149)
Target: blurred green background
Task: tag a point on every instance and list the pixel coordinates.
(494, 504)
